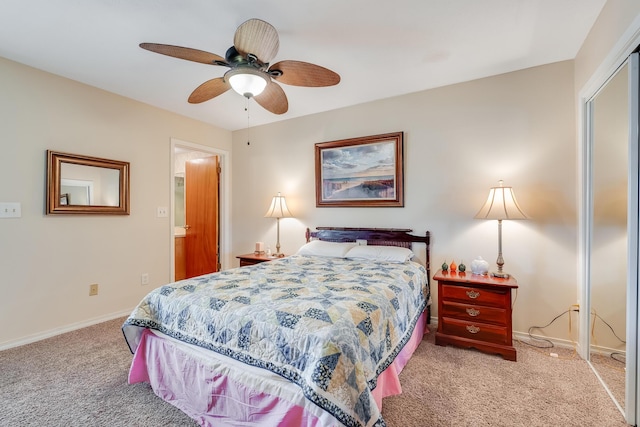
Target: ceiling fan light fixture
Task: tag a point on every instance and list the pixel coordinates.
(247, 81)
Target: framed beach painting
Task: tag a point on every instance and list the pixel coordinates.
(361, 172)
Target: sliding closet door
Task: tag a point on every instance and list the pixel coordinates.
(611, 215)
(632, 394)
(609, 232)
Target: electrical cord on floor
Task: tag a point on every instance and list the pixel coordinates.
(573, 308)
(550, 343)
(622, 360)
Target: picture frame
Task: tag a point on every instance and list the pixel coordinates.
(361, 172)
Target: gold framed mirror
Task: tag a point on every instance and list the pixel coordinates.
(86, 185)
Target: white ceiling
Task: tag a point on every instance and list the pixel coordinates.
(380, 48)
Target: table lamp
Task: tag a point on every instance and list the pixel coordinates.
(501, 204)
(277, 210)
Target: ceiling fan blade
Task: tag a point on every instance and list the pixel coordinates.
(273, 99)
(257, 37)
(184, 53)
(298, 73)
(208, 90)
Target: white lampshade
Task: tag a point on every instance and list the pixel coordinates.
(501, 204)
(278, 208)
(247, 81)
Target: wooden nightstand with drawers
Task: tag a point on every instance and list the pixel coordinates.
(474, 311)
(251, 259)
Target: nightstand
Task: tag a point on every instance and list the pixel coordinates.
(474, 311)
(253, 258)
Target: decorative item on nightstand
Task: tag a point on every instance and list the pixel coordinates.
(501, 204)
(461, 267)
(277, 210)
(479, 266)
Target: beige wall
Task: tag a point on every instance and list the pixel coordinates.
(459, 141)
(617, 18)
(48, 262)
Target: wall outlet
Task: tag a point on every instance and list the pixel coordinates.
(144, 279)
(93, 289)
(361, 242)
(163, 212)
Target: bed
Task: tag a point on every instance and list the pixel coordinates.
(314, 339)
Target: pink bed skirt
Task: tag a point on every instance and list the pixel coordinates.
(218, 391)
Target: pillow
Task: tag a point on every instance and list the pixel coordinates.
(381, 253)
(325, 249)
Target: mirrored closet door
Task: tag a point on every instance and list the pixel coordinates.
(612, 242)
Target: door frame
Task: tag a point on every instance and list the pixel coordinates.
(224, 196)
(619, 54)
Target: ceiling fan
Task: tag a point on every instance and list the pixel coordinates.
(255, 44)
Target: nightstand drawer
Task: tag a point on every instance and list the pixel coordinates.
(245, 262)
(475, 313)
(252, 259)
(469, 295)
(475, 331)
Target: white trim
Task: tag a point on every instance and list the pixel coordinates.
(625, 45)
(607, 351)
(633, 380)
(584, 225)
(62, 330)
(617, 56)
(557, 342)
(225, 200)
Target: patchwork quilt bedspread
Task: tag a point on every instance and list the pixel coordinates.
(330, 325)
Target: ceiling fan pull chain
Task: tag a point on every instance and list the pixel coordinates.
(247, 110)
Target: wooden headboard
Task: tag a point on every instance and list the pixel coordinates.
(373, 236)
(378, 237)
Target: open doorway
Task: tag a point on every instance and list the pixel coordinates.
(197, 197)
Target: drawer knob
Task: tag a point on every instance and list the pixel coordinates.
(473, 312)
(473, 294)
(473, 329)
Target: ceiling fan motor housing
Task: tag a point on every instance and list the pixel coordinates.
(233, 57)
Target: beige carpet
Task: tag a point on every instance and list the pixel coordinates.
(80, 379)
(612, 372)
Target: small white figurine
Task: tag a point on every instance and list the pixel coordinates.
(479, 266)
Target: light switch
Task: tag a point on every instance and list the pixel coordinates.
(162, 212)
(10, 210)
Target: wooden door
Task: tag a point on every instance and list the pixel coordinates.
(201, 212)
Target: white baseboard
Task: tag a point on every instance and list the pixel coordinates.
(61, 330)
(558, 342)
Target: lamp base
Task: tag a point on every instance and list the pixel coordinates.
(500, 275)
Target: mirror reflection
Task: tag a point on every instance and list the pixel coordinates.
(86, 185)
(89, 185)
(609, 253)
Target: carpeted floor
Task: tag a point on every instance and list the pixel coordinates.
(80, 379)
